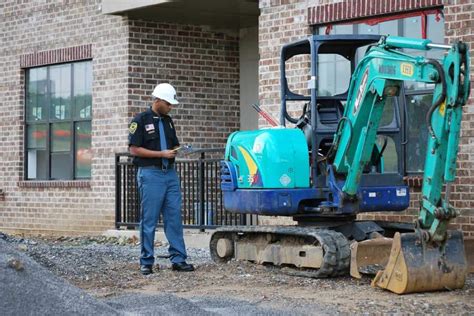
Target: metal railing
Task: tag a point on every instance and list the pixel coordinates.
(200, 186)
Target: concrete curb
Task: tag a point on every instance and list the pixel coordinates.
(192, 238)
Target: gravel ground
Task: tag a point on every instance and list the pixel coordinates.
(107, 268)
(26, 288)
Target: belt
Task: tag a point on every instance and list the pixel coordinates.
(161, 167)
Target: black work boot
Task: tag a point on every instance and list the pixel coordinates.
(146, 269)
(182, 267)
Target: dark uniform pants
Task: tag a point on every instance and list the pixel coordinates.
(160, 192)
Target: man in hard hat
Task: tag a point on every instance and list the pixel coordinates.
(152, 137)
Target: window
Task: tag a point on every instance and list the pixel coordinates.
(58, 121)
(334, 72)
(416, 97)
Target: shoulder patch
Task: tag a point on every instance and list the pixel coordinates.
(133, 128)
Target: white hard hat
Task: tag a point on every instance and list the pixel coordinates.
(165, 91)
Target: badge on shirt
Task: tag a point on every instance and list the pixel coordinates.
(150, 127)
(133, 128)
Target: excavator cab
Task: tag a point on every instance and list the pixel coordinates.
(332, 60)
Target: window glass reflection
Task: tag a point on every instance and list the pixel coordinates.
(417, 107)
(60, 77)
(82, 90)
(61, 137)
(36, 96)
(389, 154)
(83, 150)
(334, 74)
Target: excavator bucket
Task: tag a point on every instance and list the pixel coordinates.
(414, 266)
(369, 256)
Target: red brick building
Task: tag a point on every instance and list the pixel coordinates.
(73, 73)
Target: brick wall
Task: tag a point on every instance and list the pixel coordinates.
(31, 27)
(129, 57)
(204, 68)
(283, 21)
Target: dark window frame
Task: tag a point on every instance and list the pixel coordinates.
(48, 121)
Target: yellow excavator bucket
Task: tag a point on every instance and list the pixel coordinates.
(369, 256)
(415, 266)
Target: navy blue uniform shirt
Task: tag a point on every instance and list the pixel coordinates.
(144, 132)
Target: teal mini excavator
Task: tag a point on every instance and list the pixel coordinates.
(334, 164)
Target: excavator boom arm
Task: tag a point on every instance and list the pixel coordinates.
(379, 76)
(444, 123)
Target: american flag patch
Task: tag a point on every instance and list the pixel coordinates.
(149, 127)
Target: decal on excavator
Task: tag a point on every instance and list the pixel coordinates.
(360, 93)
(406, 69)
(251, 165)
(253, 178)
(442, 108)
(285, 180)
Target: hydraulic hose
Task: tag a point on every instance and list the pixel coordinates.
(332, 150)
(441, 98)
(290, 119)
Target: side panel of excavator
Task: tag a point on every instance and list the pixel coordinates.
(267, 172)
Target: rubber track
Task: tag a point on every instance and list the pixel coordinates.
(336, 258)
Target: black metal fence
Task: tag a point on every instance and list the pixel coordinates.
(200, 185)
